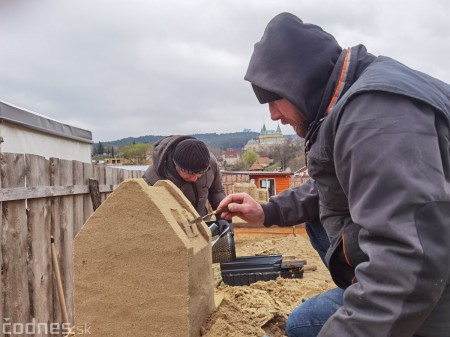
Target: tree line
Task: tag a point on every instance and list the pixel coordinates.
(135, 154)
(289, 155)
(235, 140)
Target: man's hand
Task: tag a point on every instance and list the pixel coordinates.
(243, 206)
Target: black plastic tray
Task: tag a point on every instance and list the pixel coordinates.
(249, 269)
(248, 278)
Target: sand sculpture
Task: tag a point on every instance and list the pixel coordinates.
(261, 195)
(140, 268)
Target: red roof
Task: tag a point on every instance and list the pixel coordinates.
(230, 154)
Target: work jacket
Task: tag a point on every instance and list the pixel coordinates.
(381, 169)
(207, 188)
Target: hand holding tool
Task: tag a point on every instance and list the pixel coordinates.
(216, 212)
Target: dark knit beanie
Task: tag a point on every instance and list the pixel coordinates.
(263, 95)
(191, 156)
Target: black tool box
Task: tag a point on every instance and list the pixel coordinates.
(249, 269)
(291, 269)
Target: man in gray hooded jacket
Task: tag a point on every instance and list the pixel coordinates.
(378, 141)
(187, 162)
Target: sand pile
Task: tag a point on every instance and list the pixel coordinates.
(263, 307)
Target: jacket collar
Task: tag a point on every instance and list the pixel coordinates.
(348, 68)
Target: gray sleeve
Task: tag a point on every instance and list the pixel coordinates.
(293, 206)
(150, 175)
(390, 165)
(216, 192)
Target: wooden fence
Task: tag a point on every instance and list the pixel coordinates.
(41, 198)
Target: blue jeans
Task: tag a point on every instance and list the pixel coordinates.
(318, 237)
(308, 318)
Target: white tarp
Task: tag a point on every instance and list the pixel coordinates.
(23, 131)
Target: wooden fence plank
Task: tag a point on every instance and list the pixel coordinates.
(115, 177)
(78, 200)
(109, 173)
(100, 176)
(127, 174)
(121, 176)
(88, 172)
(56, 233)
(95, 194)
(14, 245)
(40, 278)
(109, 177)
(64, 219)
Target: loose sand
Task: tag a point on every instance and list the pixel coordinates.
(263, 307)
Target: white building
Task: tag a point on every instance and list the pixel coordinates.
(27, 132)
(267, 139)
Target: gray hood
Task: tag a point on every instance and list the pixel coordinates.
(294, 60)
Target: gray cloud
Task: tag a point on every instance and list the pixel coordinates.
(143, 67)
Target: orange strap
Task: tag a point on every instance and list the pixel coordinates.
(338, 89)
(343, 249)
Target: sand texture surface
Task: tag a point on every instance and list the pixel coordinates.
(139, 266)
(263, 307)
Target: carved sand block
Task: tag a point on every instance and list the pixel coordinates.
(261, 195)
(140, 268)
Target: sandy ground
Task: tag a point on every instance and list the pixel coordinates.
(263, 307)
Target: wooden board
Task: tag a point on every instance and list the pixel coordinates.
(39, 255)
(14, 244)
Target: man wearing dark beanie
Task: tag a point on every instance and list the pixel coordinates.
(187, 162)
(191, 156)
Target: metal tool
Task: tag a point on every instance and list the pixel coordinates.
(216, 212)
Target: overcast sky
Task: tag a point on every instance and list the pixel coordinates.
(159, 67)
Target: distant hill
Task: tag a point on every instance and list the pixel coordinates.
(235, 140)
